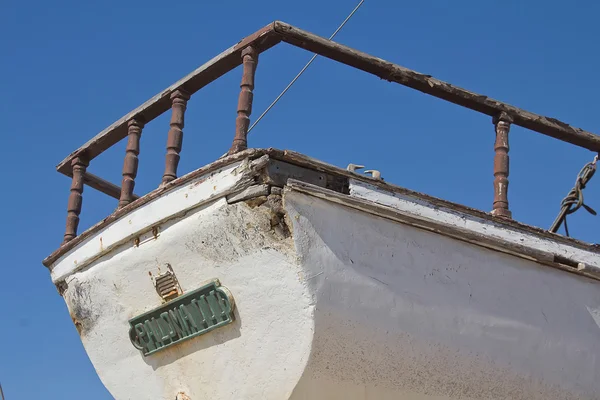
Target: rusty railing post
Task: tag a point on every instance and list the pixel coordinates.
(130, 164)
(78, 165)
(244, 109)
(501, 166)
(179, 100)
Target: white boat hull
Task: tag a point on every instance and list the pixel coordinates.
(336, 301)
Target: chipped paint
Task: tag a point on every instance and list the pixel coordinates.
(163, 208)
(505, 236)
(340, 300)
(182, 396)
(211, 242)
(401, 312)
(77, 324)
(61, 287)
(595, 313)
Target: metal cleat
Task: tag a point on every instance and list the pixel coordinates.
(354, 167)
(374, 173)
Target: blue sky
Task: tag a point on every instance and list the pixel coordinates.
(70, 68)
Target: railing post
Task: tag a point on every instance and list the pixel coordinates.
(78, 165)
(244, 109)
(130, 164)
(179, 100)
(501, 166)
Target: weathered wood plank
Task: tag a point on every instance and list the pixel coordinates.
(435, 87)
(202, 76)
(104, 186)
(261, 159)
(278, 31)
(119, 212)
(456, 232)
(317, 165)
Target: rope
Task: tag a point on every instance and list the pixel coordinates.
(574, 200)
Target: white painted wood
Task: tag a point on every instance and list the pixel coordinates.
(261, 355)
(248, 193)
(171, 205)
(350, 306)
(402, 313)
(420, 208)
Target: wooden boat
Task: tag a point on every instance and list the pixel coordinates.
(271, 275)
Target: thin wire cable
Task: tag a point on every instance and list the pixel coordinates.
(301, 71)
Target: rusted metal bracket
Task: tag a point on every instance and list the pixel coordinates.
(166, 284)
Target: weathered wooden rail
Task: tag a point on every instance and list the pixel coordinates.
(246, 53)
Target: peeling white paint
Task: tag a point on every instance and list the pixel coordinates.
(595, 313)
(261, 355)
(352, 306)
(422, 209)
(406, 313)
(169, 205)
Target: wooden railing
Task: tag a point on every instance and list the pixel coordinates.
(246, 53)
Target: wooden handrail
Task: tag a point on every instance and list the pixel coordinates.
(226, 61)
(280, 31)
(246, 52)
(435, 87)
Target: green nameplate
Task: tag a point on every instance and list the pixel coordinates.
(187, 316)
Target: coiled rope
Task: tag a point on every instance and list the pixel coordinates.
(574, 200)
